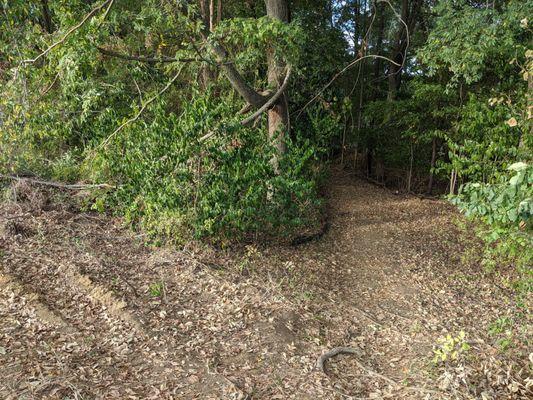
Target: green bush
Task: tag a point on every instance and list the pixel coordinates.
(172, 184)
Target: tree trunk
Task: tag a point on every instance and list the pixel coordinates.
(47, 18)
(278, 115)
(219, 11)
(211, 15)
(379, 40)
(433, 161)
(410, 174)
(409, 16)
(398, 53)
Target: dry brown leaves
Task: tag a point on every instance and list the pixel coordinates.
(88, 311)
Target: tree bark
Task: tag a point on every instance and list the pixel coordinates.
(250, 95)
(432, 165)
(379, 40)
(398, 53)
(219, 11)
(409, 16)
(47, 18)
(211, 15)
(278, 115)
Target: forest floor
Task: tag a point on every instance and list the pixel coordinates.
(88, 311)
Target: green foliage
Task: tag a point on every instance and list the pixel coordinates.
(57, 116)
(175, 184)
(472, 42)
(424, 112)
(156, 289)
(506, 209)
(481, 145)
(257, 36)
(451, 348)
(506, 204)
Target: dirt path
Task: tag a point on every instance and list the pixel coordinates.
(87, 311)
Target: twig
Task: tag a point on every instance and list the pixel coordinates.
(106, 13)
(50, 86)
(363, 57)
(130, 57)
(408, 37)
(9, 217)
(135, 292)
(76, 186)
(69, 32)
(350, 65)
(349, 350)
(129, 121)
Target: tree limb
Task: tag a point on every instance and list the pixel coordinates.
(136, 117)
(350, 65)
(107, 11)
(77, 186)
(87, 17)
(250, 95)
(271, 101)
(130, 57)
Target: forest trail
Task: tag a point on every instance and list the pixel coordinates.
(88, 311)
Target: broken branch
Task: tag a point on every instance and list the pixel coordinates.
(320, 363)
(271, 101)
(136, 117)
(123, 56)
(59, 185)
(87, 17)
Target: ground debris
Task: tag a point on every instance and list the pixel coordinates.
(87, 310)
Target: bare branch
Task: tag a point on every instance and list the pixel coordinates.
(136, 117)
(59, 185)
(107, 12)
(408, 37)
(130, 57)
(87, 17)
(350, 65)
(339, 74)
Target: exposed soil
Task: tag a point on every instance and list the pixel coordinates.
(88, 311)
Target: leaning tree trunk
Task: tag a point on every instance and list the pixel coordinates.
(278, 115)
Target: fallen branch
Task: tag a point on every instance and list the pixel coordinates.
(299, 240)
(59, 185)
(350, 350)
(136, 117)
(163, 59)
(70, 31)
(320, 363)
(271, 101)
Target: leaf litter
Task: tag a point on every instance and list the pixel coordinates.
(87, 310)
